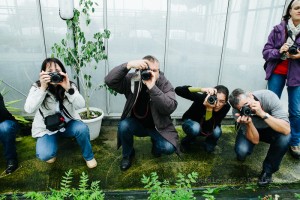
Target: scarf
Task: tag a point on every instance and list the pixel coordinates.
(295, 30)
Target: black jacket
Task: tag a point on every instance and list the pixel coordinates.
(197, 110)
(4, 114)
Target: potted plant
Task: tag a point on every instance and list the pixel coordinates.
(83, 55)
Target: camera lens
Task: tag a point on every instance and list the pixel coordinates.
(145, 75)
(56, 77)
(212, 99)
(246, 110)
(293, 49)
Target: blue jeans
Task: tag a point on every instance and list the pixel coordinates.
(193, 129)
(276, 83)
(8, 131)
(46, 146)
(130, 127)
(278, 147)
(294, 114)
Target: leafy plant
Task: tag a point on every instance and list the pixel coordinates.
(162, 190)
(81, 54)
(66, 192)
(297, 196)
(269, 197)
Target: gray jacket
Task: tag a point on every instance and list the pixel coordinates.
(162, 100)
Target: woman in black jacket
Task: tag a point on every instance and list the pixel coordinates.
(204, 116)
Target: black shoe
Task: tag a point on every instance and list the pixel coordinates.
(153, 152)
(295, 151)
(11, 166)
(264, 179)
(127, 161)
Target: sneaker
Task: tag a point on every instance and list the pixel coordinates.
(11, 166)
(264, 179)
(91, 163)
(295, 151)
(52, 160)
(185, 144)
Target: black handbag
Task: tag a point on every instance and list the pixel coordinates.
(56, 121)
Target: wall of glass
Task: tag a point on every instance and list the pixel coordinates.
(198, 42)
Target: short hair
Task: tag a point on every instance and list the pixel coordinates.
(224, 90)
(151, 58)
(235, 96)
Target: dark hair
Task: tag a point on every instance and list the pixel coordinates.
(58, 91)
(223, 89)
(235, 97)
(287, 15)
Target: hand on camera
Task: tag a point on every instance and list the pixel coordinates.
(210, 102)
(66, 82)
(243, 119)
(45, 80)
(137, 64)
(294, 56)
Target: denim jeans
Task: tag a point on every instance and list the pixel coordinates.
(294, 114)
(46, 146)
(130, 127)
(278, 147)
(193, 129)
(276, 83)
(8, 131)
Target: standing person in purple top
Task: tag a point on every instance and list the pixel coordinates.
(283, 67)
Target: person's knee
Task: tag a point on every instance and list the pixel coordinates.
(45, 155)
(217, 132)
(81, 129)
(167, 148)
(283, 140)
(241, 151)
(191, 128)
(124, 126)
(8, 128)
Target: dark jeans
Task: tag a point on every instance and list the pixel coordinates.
(8, 131)
(278, 147)
(193, 129)
(130, 127)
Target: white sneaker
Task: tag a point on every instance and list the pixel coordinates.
(91, 163)
(52, 160)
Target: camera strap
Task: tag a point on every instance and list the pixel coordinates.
(62, 108)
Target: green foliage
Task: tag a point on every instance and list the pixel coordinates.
(162, 190)
(84, 191)
(297, 196)
(209, 193)
(269, 197)
(81, 54)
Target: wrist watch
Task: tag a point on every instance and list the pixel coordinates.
(266, 116)
(71, 91)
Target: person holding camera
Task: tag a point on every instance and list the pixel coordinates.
(261, 117)
(205, 115)
(54, 100)
(150, 100)
(282, 56)
(8, 130)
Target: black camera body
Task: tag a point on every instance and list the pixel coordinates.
(246, 111)
(55, 77)
(293, 49)
(145, 74)
(212, 99)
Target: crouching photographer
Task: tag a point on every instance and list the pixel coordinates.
(150, 100)
(54, 100)
(261, 118)
(205, 115)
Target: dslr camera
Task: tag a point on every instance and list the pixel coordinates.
(212, 99)
(55, 77)
(246, 111)
(145, 74)
(293, 49)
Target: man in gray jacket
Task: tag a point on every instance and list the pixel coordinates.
(150, 100)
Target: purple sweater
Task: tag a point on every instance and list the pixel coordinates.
(271, 54)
